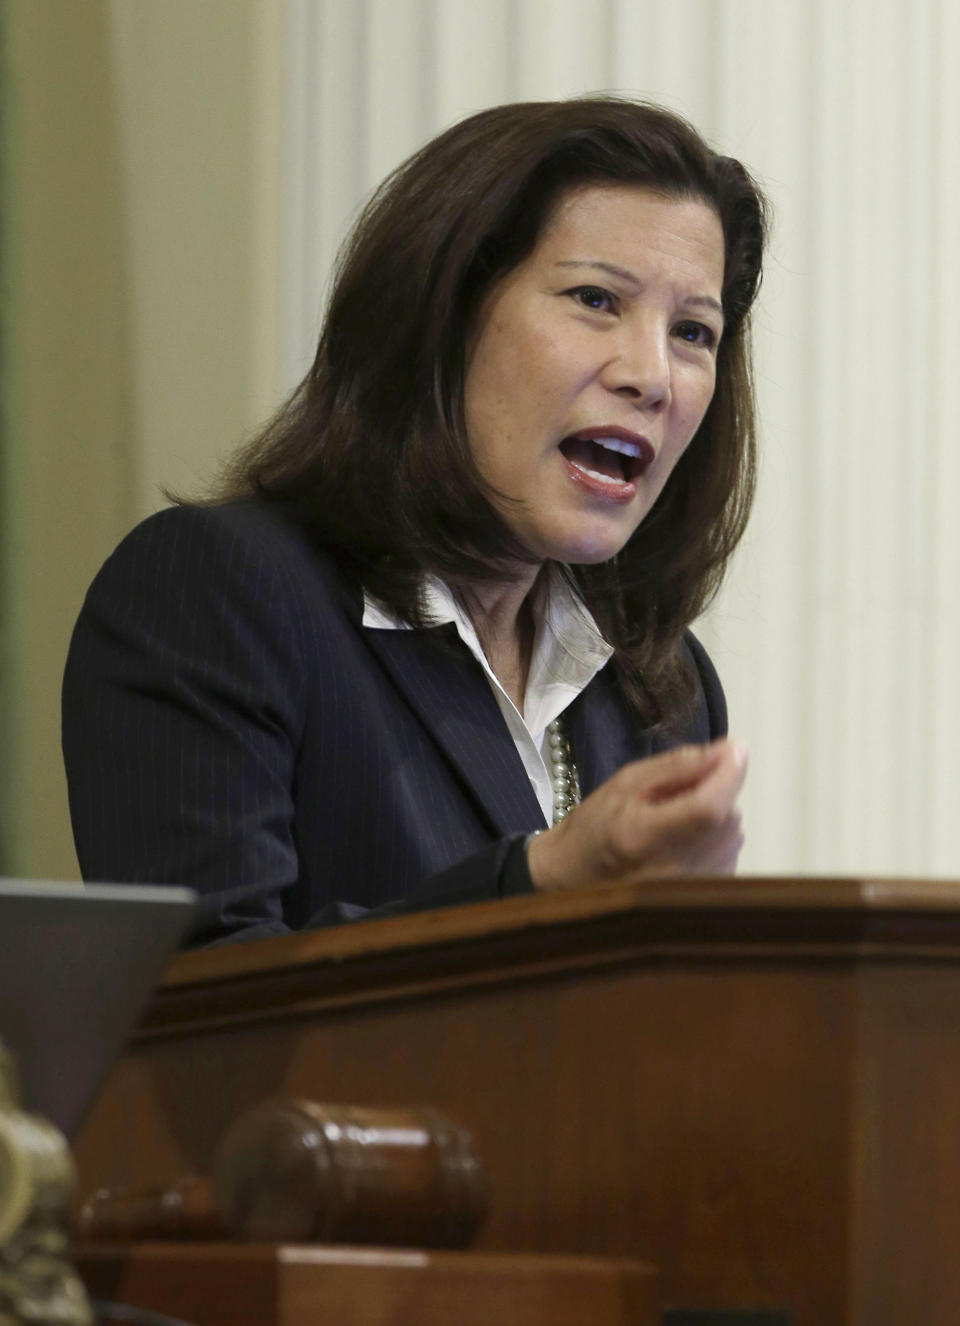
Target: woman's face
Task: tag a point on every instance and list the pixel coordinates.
(593, 363)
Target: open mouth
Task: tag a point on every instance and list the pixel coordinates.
(609, 459)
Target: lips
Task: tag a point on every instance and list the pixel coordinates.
(609, 456)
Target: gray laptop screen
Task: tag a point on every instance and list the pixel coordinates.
(77, 965)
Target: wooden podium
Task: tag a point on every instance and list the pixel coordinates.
(752, 1084)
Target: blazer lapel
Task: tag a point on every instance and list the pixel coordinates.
(446, 687)
(603, 735)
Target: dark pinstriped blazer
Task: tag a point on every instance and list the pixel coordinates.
(228, 723)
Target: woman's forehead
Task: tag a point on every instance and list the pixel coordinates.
(632, 225)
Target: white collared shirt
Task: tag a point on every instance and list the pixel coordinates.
(568, 652)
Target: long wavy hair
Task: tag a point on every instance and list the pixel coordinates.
(371, 452)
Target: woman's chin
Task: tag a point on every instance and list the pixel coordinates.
(577, 541)
(582, 551)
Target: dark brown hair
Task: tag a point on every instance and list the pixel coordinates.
(371, 451)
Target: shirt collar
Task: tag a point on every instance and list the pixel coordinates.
(568, 649)
(560, 612)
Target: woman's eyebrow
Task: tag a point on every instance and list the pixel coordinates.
(611, 268)
(705, 301)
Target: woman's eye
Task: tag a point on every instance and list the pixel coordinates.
(594, 297)
(696, 333)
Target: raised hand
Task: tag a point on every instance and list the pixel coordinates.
(671, 814)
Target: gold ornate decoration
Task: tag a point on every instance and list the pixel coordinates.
(38, 1285)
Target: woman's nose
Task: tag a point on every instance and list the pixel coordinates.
(640, 369)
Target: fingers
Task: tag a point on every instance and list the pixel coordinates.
(718, 852)
(706, 804)
(685, 821)
(671, 814)
(663, 776)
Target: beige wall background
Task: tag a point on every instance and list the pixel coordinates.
(131, 352)
(182, 173)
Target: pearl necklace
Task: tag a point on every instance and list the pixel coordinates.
(563, 771)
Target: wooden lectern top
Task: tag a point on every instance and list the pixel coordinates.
(720, 919)
(753, 1084)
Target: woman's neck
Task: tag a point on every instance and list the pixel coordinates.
(502, 616)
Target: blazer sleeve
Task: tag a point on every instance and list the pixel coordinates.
(178, 741)
(183, 710)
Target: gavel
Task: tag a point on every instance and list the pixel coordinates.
(293, 1171)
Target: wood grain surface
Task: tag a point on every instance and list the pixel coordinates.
(754, 1085)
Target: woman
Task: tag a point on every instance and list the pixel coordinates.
(462, 559)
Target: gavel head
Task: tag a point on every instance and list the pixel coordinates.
(295, 1171)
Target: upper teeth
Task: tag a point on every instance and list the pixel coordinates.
(617, 444)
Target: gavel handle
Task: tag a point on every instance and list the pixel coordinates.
(182, 1210)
